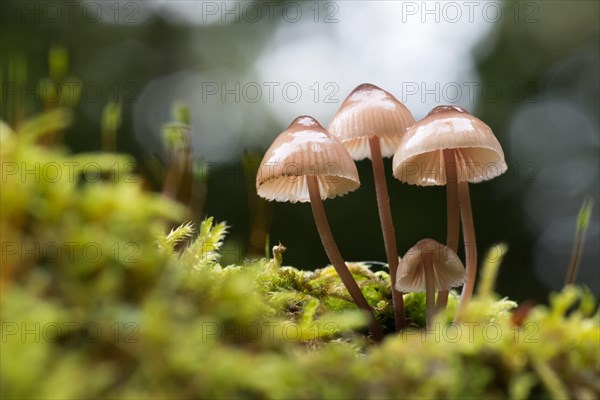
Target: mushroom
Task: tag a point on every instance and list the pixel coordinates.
(306, 163)
(450, 146)
(426, 267)
(370, 124)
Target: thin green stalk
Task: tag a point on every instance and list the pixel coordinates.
(583, 221)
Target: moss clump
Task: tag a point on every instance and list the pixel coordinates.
(168, 321)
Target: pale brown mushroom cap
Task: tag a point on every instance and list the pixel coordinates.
(419, 159)
(305, 148)
(370, 111)
(448, 270)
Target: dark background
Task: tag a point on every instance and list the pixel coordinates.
(536, 65)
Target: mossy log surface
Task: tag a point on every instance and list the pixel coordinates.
(98, 299)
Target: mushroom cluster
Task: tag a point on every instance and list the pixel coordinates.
(451, 147)
(308, 163)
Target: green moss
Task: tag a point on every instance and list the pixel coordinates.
(156, 315)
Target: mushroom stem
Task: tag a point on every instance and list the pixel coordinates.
(429, 289)
(336, 258)
(451, 215)
(470, 247)
(387, 228)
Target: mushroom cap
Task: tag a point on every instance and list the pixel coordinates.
(304, 149)
(419, 159)
(448, 270)
(370, 111)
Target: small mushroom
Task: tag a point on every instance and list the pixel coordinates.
(450, 146)
(429, 266)
(370, 124)
(306, 163)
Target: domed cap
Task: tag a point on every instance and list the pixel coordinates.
(419, 159)
(370, 111)
(448, 270)
(305, 148)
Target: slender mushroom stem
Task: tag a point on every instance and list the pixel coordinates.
(427, 260)
(451, 215)
(470, 247)
(387, 228)
(336, 258)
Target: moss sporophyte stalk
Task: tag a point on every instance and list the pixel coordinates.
(176, 322)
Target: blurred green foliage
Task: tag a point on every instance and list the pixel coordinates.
(154, 314)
